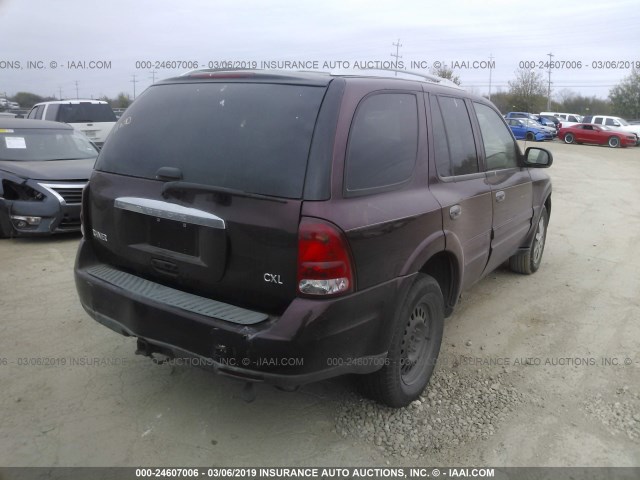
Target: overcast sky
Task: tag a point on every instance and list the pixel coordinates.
(123, 32)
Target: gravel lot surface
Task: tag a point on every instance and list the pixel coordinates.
(538, 370)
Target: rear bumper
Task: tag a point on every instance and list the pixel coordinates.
(311, 341)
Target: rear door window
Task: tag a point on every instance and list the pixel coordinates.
(254, 137)
(52, 111)
(454, 135)
(383, 141)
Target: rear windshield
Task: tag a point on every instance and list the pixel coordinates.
(29, 145)
(248, 136)
(85, 113)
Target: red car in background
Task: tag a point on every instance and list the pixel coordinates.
(596, 134)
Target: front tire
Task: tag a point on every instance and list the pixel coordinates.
(569, 138)
(530, 136)
(528, 262)
(614, 142)
(414, 348)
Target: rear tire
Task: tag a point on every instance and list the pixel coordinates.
(528, 262)
(614, 142)
(530, 136)
(414, 347)
(569, 138)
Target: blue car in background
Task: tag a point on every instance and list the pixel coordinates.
(544, 121)
(525, 130)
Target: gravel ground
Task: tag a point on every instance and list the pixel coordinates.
(458, 407)
(620, 412)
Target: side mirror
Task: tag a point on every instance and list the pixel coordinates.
(535, 157)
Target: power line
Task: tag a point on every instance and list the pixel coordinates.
(550, 55)
(134, 81)
(490, 71)
(397, 56)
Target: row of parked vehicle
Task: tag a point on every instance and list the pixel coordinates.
(573, 128)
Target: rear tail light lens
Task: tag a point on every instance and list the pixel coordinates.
(84, 212)
(325, 267)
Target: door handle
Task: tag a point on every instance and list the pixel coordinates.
(500, 196)
(455, 212)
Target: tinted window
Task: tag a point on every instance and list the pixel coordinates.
(459, 134)
(440, 142)
(252, 137)
(383, 141)
(598, 120)
(52, 110)
(611, 122)
(45, 144)
(36, 112)
(499, 147)
(85, 113)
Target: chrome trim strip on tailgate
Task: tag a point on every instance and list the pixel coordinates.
(169, 211)
(176, 298)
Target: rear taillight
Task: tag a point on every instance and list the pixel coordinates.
(324, 261)
(84, 212)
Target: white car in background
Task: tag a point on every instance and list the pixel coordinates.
(566, 119)
(94, 118)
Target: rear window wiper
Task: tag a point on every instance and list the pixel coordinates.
(180, 186)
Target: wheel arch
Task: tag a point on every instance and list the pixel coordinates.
(440, 255)
(444, 267)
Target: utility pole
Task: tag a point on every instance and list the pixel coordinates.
(396, 55)
(77, 95)
(60, 92)
(550, 55)
(134, 81)
(153, 76)
(490, 71)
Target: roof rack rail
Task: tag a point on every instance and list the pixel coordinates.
(424, 76)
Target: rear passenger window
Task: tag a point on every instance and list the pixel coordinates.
(499, 147)
(453, 137)
(383, 141)
(36, 112)
(51, 112)
(598, 120)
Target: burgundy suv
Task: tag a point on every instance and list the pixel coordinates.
(291, 227)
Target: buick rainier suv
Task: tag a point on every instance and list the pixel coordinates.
(287, 227)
